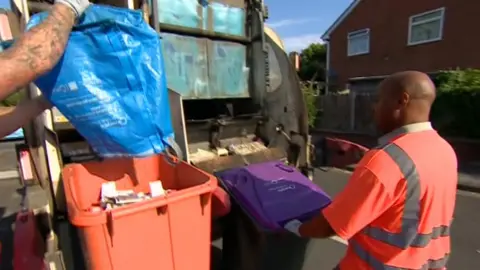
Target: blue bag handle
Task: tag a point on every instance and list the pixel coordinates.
(100, 23)
(119, 46)
(131, 70)
(172, 146)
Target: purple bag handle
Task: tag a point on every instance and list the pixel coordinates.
(284, 167)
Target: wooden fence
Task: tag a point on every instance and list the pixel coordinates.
(349, 112)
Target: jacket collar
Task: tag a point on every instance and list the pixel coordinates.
(417, 127)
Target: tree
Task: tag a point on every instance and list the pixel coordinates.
(455, 111)
(313, 62)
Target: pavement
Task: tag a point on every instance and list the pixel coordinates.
(8, 157)
(469, 177)
(320, 255)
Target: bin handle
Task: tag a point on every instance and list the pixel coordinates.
(127, 211)
(156, 203)
(207, 188)
(285, 168)
(204, 198)
(161, 206)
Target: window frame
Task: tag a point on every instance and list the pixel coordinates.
(357, 32)
(411, 24)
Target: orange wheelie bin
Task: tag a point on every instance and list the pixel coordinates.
(167, 232)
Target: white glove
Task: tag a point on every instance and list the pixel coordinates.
(78, 6)
(293, 226)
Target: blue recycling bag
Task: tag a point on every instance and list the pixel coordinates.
(110, 83)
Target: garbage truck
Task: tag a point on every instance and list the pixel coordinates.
(235, 100)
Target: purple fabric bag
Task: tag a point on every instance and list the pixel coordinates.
(273, 193)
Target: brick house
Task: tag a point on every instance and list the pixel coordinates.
(374, 38)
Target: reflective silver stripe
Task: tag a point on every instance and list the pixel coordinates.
(378, 265)
(408, 236)
(438, 264)
(370, 260)
(420, 240)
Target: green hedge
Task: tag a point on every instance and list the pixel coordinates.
(309, 93)
(456, 112)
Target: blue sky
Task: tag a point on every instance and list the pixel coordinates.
(298, 22)
(5, 4)
(302, 22)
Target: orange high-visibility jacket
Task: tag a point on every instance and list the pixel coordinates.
(397, 208)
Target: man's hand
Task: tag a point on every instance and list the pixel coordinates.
(78, 6)
(293, 226)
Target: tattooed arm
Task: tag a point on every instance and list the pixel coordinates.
(37, 51)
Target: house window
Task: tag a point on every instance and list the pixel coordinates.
(426, 27)
(359, 42)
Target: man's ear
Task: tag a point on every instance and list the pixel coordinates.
(404, 99)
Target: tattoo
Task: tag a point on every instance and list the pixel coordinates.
(37, 51)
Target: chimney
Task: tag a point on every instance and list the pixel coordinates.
(295, 60)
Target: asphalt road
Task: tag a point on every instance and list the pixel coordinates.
(321, 254)
(8, 156)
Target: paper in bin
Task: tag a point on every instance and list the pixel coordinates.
(273, 193)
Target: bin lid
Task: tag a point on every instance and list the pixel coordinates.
(273, 193)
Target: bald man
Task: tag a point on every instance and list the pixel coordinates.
(398, 205)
